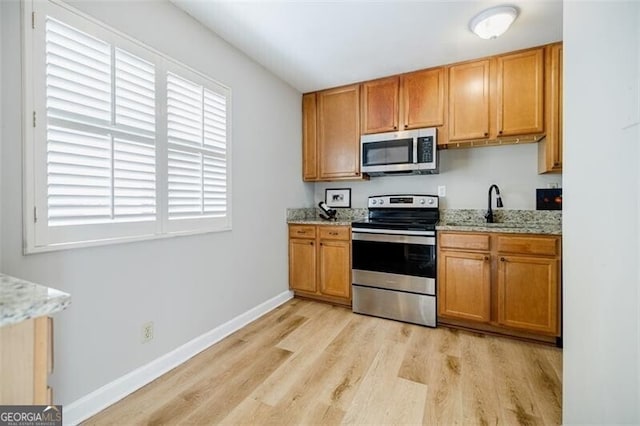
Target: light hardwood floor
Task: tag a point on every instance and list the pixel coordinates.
(312, 363)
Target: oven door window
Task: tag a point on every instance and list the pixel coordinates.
(395, 258)
(387, 152)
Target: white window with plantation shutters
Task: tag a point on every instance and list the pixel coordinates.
(197, 150)
(124, 143)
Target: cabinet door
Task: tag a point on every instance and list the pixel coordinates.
(302, 265)
(469, 100)
(464, 285)
(339, 132)
(380, 105)
(551, 146)
(528, 293)
(309, 135)
(335, 268)
(422, 95)
(520, 91)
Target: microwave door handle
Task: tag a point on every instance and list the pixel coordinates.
(415, 150)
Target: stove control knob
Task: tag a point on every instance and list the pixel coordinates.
(430, 200)
(421, 200)
(374, 202)
(381, 202)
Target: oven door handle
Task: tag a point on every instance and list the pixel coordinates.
(401, 239)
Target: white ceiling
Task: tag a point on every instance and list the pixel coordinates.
(320, 44)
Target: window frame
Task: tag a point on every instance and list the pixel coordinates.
(38, 236)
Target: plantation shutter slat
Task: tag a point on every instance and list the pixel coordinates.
(197, 158)
(96, 95)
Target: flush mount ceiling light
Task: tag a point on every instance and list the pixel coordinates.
(493, 22)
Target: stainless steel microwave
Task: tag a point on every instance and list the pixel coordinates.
(406, 152)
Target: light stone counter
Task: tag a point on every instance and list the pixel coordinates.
(21, 300)
(507, 221)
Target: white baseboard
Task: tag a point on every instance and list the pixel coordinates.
(111, 393)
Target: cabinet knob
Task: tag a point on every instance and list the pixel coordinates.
(556, 164)
(486, 258)
(500, 132)
(311, 243)
(395, 127)
(486, 134)
(406, 126)
(502, 259)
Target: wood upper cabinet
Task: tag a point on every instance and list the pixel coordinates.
(339, 133)
(469, 100)
(520, 93)
(465, 285)
(309, 138)
(320, 262)
(550, 148)
(380, 105)
(423, 98)
(409, 101)
(506, 283)
(501, 96)
(529, 293)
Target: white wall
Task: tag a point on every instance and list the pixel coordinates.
(466, 174)
(601, 303)
(186, 285)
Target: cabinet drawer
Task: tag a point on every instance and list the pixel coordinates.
(528, 245)
(464, 241)
(335, 232)
(302, 231)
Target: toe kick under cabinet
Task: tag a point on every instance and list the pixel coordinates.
(501, 283)
(320, 262)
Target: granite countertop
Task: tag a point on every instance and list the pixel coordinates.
(319, 221)
(507, 227)
(507, 221)
(21, 300)
(463, 220)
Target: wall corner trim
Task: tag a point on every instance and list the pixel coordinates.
(112, 392)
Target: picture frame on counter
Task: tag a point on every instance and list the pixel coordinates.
(338, 197)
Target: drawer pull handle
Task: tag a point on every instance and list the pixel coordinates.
(333, 233)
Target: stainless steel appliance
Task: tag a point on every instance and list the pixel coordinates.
(407, 152)
(394, 259)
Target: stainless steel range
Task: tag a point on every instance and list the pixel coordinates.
(394, 259)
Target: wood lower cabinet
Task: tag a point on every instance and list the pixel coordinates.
(320, 262)
(467, 293)
(502, 283)
(302, 265)
(26, 360)
(528, 293)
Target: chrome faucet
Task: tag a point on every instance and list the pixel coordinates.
(489, 215)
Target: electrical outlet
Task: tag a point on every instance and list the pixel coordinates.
(553, 185)
(147, 332)
(442, 191)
